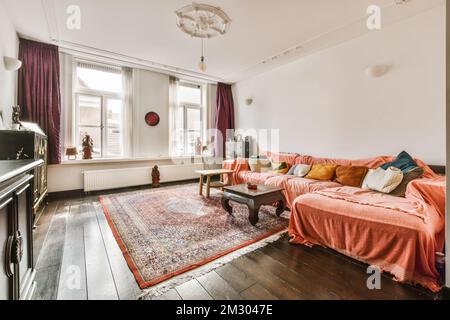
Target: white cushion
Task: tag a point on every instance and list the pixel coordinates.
(384, 181)
(259, 165)
(302, 170)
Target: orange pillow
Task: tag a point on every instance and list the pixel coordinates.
(351, 176)
(322, 172)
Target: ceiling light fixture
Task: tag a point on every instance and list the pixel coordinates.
(202, 21)
(202, 64)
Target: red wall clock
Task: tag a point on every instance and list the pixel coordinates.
(152, 119)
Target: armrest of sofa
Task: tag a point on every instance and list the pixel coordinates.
(237, 165)
(431, 191)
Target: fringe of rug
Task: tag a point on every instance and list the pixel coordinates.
(165, 286)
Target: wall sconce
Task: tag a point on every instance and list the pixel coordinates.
(377, 71)
(249, 102)
(12, 64)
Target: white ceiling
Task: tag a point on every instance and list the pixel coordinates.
(146, 30)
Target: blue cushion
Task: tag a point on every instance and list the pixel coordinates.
(403, 162)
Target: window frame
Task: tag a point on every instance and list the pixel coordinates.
(104, 96)
(184, 106)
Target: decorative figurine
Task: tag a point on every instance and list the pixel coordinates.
(198, 147)
(155, 177)
(87, 147)
(16, 117)
(20, 155)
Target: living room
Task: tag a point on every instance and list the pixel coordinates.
(226, 150)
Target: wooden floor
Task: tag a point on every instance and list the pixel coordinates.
(78, 258)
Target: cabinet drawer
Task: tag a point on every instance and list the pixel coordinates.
(16, 239)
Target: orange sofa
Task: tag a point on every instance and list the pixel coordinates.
(398, 235)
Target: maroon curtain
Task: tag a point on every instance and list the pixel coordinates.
(224, 115)
(39, 91)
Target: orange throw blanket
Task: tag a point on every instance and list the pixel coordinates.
(399, 235)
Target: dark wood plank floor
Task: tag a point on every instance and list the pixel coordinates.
(78, 258)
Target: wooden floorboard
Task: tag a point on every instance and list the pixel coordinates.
(49, 261)
(236, 278)
(53, 244)
(126, 285)
(193, 290)
(311, 275)
(42, 227)
(217, 287)
(342, 286)
(99, 278)
(302, 282)
(47, 280)
(169, 295)
(350, 274)
(278, 287)
(257, 292)
(78, 258)
(73, 284)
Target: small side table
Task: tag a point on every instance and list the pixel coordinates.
(210, 184)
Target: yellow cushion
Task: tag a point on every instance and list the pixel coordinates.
(281, 171)
(280, 168)
(323, 172)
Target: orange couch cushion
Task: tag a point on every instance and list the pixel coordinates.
(253, 177)
(351, 176)
(289, 158)
(322, 172)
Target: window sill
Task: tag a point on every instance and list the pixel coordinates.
(66, 162)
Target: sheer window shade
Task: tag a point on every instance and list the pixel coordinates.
(127, 98)
(175, 117)
(99, 67)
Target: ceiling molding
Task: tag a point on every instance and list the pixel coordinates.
(50, 16)
(231, 69)
(75, 48)
(124, 60)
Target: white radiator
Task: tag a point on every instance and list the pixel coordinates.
(97, 180)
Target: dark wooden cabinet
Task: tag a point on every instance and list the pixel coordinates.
(17, 271)
(29, 144)
(5, 231)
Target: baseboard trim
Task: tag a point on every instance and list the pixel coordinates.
(52, 196)
(70, 194)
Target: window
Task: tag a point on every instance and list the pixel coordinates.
(191, 113)
(99, 108)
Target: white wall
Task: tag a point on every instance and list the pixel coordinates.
(324, 104)
(150, 93)
(8, 79)
(69, 176)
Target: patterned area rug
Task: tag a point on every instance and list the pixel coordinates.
(165, 232)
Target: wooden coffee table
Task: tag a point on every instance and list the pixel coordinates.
(211, 184)
(254, 199)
